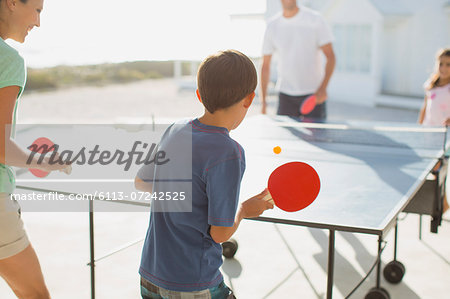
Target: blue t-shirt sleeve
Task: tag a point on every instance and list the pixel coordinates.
(222, 190)
(147, 172)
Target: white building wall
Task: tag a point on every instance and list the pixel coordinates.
(409, 48)
(396, 55)
(272, 8)
(429, 34)
(357, 87)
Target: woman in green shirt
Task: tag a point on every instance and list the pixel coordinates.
(19, 265)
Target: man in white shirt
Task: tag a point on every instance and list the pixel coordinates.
(298, 35)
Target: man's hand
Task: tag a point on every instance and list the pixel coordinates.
(321, 96)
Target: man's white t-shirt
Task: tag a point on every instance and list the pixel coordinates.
(297, 41)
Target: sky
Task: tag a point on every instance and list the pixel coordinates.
(96, 31)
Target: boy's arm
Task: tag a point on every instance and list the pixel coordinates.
(250, 208)
(144, 178)
(142, 185)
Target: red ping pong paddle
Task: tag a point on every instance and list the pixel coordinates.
(39, 146)
(293, 186)
(308, 105)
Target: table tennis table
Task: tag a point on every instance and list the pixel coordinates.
(370, 172)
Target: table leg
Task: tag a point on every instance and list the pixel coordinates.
(395, 239)
(91, 247)
(330, 271)
(380, 240)
(420, 227)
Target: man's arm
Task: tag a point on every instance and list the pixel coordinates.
(250, 208)
(265, 78)
(321, 93)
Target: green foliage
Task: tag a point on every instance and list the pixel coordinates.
(102, 74)
(40, 80)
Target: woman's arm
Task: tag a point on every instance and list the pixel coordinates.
(11, 153)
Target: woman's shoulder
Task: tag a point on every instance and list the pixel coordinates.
(9, 54)
(12, 67)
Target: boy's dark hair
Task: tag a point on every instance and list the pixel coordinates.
(225, 78)
(23, 1)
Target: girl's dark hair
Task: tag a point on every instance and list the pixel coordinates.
(434, 78)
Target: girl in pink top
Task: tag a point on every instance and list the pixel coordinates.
(436, 107)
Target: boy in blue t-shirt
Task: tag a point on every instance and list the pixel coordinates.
(182, 252)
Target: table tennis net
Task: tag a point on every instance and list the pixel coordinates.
(384, 136)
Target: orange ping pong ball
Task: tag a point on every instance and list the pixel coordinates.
(277, 150)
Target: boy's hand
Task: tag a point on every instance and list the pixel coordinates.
(250, 208)
(142, 185)
(255, 206)
(447, 122)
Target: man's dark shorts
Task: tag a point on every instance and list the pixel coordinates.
(290, 105)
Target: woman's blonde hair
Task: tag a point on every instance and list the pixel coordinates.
(434, 78)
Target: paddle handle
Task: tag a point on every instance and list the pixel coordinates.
(41, 173)
(67, 169)
(268, 197)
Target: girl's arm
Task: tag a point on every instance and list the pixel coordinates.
(422, 111)
(10, 152)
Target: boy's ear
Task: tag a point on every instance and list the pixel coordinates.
(198, 95)
(11, 4)
(248, 100)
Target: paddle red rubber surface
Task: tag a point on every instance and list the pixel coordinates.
(308, 105)
(38, 143)
(294, 186)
